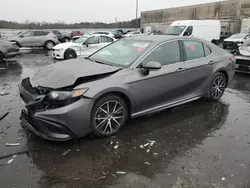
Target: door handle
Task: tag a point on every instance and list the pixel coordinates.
(181, 69)
(211, 62)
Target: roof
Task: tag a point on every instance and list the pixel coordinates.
(154, 38)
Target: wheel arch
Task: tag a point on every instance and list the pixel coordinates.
(118, 93)
(224, 72)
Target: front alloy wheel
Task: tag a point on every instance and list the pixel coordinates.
(108, 116)
(218, 86)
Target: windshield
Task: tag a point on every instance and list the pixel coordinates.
(238, 36)
(81, 40)
(175, 30)
(121, 53)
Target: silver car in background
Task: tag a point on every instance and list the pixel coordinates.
(35, 38)
(126, 79)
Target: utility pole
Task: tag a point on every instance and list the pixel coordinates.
(136, 21)
(239, 15)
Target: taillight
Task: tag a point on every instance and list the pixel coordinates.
(55, 37)
(233, 59)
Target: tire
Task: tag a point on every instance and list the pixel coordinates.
(66, 39)
(49, 45)
(70, 54)
(217, 86)
(106, 118)
(1, 57)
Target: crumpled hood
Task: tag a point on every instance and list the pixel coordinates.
(64, 74)
(66, 45)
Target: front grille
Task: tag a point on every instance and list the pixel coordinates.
(243, 62)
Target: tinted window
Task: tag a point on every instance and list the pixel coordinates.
(28, 34)
(194, 49)
(103, 39)
(165, 54)
(91, 40)
(39, 33)
(207, 50)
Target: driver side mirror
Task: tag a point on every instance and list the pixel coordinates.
(21, 36)
(151, 65)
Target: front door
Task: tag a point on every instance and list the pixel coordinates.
(26, 39)
(89, 44)
(159, 87)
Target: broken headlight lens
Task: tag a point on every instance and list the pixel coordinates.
(63, 95)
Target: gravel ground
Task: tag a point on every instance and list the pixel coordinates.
(200, 144)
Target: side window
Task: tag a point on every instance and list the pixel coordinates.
(91, 40)
(28, 34)
(39, 33)
(188, 31)
(103, 39)
(194, 50)
(207, 50)
(166, 54)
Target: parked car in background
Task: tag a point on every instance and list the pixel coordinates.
(224, 35)
(7, 49)
(132, 33)
(84, 46)
(75, 33)
(243, 59)
(206, 29)
(126, 79)
(236, 40)
(73, 39)
(127, 31)
(35, 38)
(62, 37)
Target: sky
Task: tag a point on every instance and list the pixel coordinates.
(71, 11)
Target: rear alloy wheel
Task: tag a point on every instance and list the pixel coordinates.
(70, 54)
(108, 116)
(49, 45)
(218, 86)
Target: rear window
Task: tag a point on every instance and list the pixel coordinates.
(207, 50)
(194, 50)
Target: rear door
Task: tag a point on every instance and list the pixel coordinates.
(40, 37)
(89, 44)
(163, 86)
(26, 39)
(199, 67)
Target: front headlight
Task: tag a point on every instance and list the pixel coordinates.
(63, 95)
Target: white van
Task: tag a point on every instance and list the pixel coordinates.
(205, 29)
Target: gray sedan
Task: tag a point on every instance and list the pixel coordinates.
(126, 79)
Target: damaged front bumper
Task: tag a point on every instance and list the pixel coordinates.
(53, 123)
